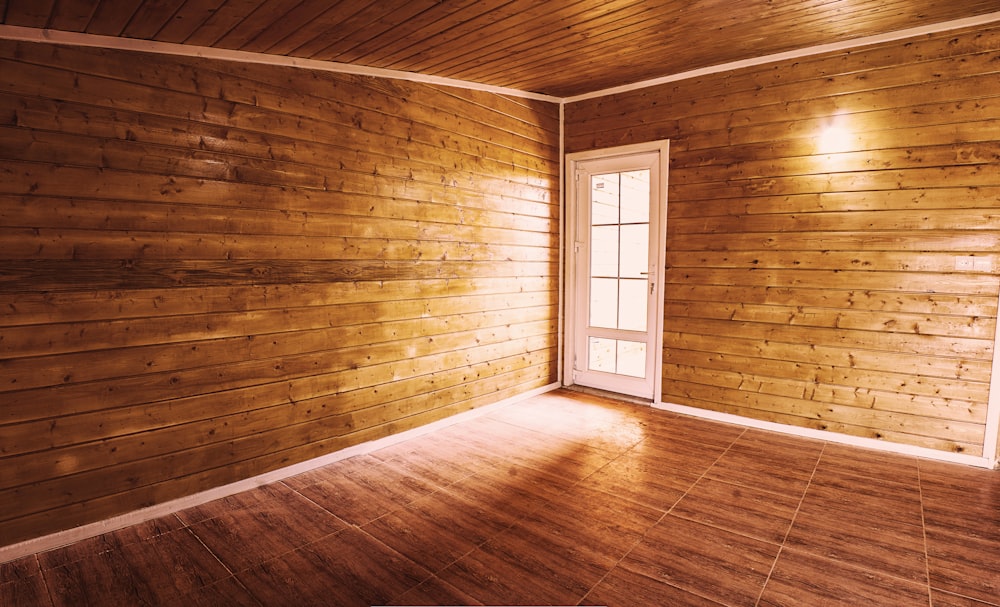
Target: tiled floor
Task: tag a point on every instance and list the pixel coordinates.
(563, 499)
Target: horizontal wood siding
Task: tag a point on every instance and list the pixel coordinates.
(818, 287)
(212, 270)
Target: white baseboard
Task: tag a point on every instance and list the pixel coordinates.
(62, 538)
(831, 437)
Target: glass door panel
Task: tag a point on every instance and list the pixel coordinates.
(617, 356)
(617, 230)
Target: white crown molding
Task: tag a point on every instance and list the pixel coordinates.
(34, 34)
(845, 45)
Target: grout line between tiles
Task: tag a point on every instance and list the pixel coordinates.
(923, 529)
(662, 517)
(791, 524)
(197, 537)
(45, 580)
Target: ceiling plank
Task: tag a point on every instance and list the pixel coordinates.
(222, 21)
(112, 16)
(434, 35)
(187, 19)
(414, 31)
(269, 39)
(270, 12)
(155, 14)
(370, 24)
(532, 31)
(72, 15)
(326, 20)
(29, 13)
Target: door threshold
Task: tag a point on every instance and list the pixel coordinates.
(609, 394)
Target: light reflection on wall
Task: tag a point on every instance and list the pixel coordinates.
(836, 136)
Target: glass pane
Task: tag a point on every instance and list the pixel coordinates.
(604, 199)
(631, 358)
(634, 251)
(604, 251)
(635, 196)
(602, 355)
(604, 303)
(617, 356)
(632, 304)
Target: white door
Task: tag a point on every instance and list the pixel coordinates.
(617, 225)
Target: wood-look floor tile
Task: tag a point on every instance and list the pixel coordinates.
(151, 572)
(515, 490)
(625, 588)
(562, 405)
(962, 520)
(494, 440)
(861, 496)
(805, 579)
(565, 459)
(22, 584)
(348, 569)
(438, 529)
(643, 480)
(663, 427)
(360, 489)
(760, 514)
(452, 447)
(939, 598)
(712, 563)
(254, 526)
(866, 463)
(678, 454)
(881, 543)
(889, 547)
(227, 592)
(592, 420)
(438, 467)
(494, 579)
(769, 461)
(434, 592)
(962, 500)
(582, 530)
(959, 517)
(111, 540)
(981, 486)
(19, 569)
(963, 564)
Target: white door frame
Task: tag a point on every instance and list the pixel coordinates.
(573, 202)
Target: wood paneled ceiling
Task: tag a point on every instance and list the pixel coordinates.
(555, 47)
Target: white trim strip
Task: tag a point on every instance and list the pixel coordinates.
(62, 538)
(830, 437)
(34, 34)
(991, 442)
(561, 313)
(796, 54)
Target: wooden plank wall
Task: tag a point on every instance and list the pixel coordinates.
(211, 270)
(820, 290)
